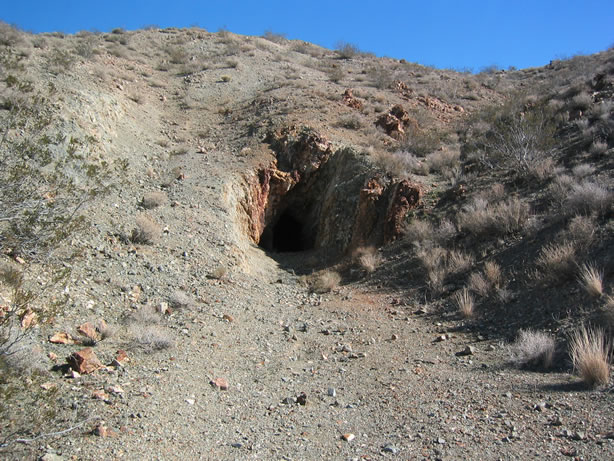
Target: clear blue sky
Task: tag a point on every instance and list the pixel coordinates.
(455, 33)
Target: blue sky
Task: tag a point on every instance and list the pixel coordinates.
(456, 33)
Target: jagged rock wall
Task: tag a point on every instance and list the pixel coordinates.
(342, 204)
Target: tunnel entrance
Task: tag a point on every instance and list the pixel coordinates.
(287, 233)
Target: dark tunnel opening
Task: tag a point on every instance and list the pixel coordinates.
(287, 233)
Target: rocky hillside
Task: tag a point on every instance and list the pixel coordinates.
(231, 247)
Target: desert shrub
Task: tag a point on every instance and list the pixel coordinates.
(465, 303)
(381, 78)
(9, 35)
(587, 197)
(177, 54)
(147, 231)
(481, 218)
(583, 170)
(591, 280)
(144, 330)
(347, 50)
(350, 121)
(220, 272)
(418, 230)
(556, 261)
(580, 230)
(598, 147)
(59, 61)
(518, 139)
(274, 37)
(335, 74)
(179, 299)
(325, 281)
(153, 199)
(581, 101)
(443, 160)
(459, 261)
(479, 284)
(398, 164)
(492, 272)
(590, 354)
(533, 349)
(368, 258)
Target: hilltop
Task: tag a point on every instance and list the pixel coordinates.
(278, 251)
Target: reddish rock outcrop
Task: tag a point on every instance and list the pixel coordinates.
(84, 361)
(405, 197)
(396, 121)
(350, 100)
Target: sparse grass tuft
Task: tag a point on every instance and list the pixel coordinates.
(533, 349)
(368, 258)
(153, 199)
(590, 354)
(465, 303)
(325, 281)
(588, 197)
(591, 279)
(557, 261)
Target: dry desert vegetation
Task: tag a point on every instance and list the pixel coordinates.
(216, 246)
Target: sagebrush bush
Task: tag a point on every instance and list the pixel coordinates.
(533, 349)
(480, 218)
(147, 231)
(418, 230)
(588, 197)
(590, 353)
(153, 199)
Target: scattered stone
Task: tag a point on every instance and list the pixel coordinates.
(441, 338)
(348, 437)
(100, 395)
(121, 356)
(332, 392)
(220, 383)
(390, 449)
(102, 431)
(115, 390)
(578, 435)
(289, 401)
(61, 338)
(51, 457)
(236, 445)
(441, 441)
(394, 337)
(28, 319)
(89, 331)
(52, 356)
(490, 348)
(229, 318)
(48, 386)
(469, 350)
(302, 399)
(190, 401)
(84, 361)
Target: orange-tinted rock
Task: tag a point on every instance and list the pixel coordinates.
(84, 361)
(405, 197)
(28, 319)
(220, 383)
(350, 100)
(395, 122)
(61, 338)
(89, 331)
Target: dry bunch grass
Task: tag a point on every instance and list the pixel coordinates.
(465, 303)
(483, 219)
(326, 281)
(556, 261)
(534, 349)
(591, 279)
(368, 258)
(590, 354)
(153, 199)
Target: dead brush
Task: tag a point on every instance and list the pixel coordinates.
(147, 231)
(145, 331)
(533, 349)
(591, 354)
(591, 280)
